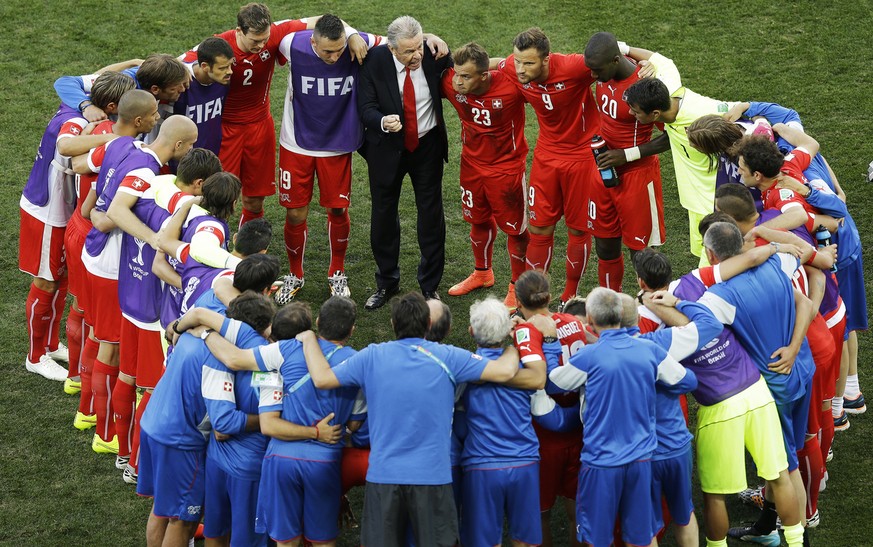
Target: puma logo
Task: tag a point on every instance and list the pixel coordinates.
(513, 225)
(248, 61)
(293, 251)
(345, 197)
(641, 240)
(611, 89)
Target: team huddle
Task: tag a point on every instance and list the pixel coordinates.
(205, 378)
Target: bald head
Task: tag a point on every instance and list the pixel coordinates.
(136, 103)
(177, 136)
(629, 315)
(440, 320)
(602, 46)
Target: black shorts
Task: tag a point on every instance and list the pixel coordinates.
(428, 511)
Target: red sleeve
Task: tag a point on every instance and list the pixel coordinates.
(72, 128)
(529, 342)
(646, 325)
(707, 276)
(208, 228)
(135, 184)
(507, 66)
(797, 161)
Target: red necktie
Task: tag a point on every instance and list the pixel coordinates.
(410, 120)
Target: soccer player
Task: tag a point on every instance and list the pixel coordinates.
(320, 130)
(559, 448)
(501, 454)
(203, 101)
(652, 100)
(558, 87)
(493, 160)
(760, 305)
(632, 212)
(616, 474)
(45, 211)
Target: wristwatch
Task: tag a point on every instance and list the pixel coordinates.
(206, 333)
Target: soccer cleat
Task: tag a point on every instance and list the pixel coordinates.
(129, 476)
(814, 520)
(60, 354)
(83, 421)
(753, 496)
(121, 462)
(339, 284)
(72, 387)
(856, 405)
(100, 446)
(288, 287)
(510, 302)
(47, 368)
(751, 535)
(841, 422)
(477, 280)
(830, 455)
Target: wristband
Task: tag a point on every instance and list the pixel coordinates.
(623, 48)
(205, 334)
(632, 154)
(176, 327)
(812, 258)
(84, 104)
(315, 427)
(549, 339)
(775, 246)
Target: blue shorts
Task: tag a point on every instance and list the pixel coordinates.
(457, 486)
(794, 417)
(851, 282)
(299, 498)
(489, 494)
(174, 478)
(231, 507)
(671, 478)
(607, 492)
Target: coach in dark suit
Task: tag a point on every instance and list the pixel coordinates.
(399, 103)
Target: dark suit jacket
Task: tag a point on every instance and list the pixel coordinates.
(379, 95)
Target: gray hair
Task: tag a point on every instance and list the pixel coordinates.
(724, 240)
(604, 307)
(489, 321)
(629, 315)
(402, 28)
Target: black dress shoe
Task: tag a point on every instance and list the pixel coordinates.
(431, 295)
(381, 297)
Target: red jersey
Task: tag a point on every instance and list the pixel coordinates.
(782, 198)
(618, 127)
(492, 124)
(248, 98)
(564, 106)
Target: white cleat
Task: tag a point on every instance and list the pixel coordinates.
(339, 285)
(60, 354)
(48, 368)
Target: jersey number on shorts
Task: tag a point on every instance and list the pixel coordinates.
(247, 80)
(609, 106)
(482, 117)
(285, 179)
(530, 196)
(467, 197)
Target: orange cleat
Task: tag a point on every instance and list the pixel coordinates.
(477, 280)
(510, 302)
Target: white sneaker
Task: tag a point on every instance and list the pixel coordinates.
(60, 354)
(121, 462)
(47, 367)
(129, 476)
(339, 284)
(288, 287)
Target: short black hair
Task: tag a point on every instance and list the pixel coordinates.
(410, 315)
(712, 218)
(256, 272)
(291, 319)
(575, 306)
(220, 194)
(336, 318)
(329, 26)
(198, 163)
(760, 154)
(653, 268)
(736, 200)
(649, 94)
(253, 237)
(533, 37)
(532, 290)
(252, 308)
(212, 48)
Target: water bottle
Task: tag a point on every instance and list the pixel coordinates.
(609, 175)
(823, 239)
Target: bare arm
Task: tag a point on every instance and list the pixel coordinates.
(502, 369)
(118, 67)
(165, 272)
(89, 203)
(614, 158)
(81, 145)
(319, 369)
(101, 221)
(224, 290)
(792, 217)
(663, 304)
(272, 425)
(797, 138)
(786, 355)
(233, 357)
(121, 213)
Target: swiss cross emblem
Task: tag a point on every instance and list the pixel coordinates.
(75, 130)
(138, 183)
(461, 98)
(497, 103)
(228, 386)
(264, 55)
(277, 395)
(210, 229)
(560, 85)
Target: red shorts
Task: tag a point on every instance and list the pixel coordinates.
(561, 188)
(822, 346)
(140, 354)
(104, 312)
(838, 331)
(633, 210)
(41, 248)
(297, 177)
(74, 241)
(559, 465)
(249, 152)
(354, 467)
(490, 194)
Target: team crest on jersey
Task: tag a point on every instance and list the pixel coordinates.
(138, 183)
(522, 336)
(560, 85)
(75, 130)
(497, 103)
(790, 156)
(477, 357)
(785, 194)
(461, 98)
(277, 395)
(264, 55)
(526, 86)
(228, 387)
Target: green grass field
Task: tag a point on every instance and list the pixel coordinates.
(807, 55)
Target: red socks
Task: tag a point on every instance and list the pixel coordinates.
(827, 434)
(38, 312)
(248, 215)
(124, 407)
(578, 252)
(811, 471)
(75, 328)
(86, 368)
(517, 247)
(295, 246)
(103, 380)
(539, 252)
(134, 447)
(59, 302)
(610, 273)
(482, 241)
(338, 239)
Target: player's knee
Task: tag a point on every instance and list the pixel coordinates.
(541, 230)
(45, 284)
(296, 215)
(254, 204)
(336, 212)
